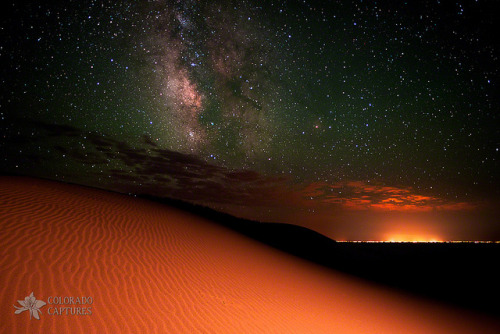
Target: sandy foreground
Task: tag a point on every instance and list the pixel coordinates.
(150, 268)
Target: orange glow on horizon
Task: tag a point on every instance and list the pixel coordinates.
(408, 237)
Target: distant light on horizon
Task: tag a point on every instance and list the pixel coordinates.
(412, 238)
(421, 242)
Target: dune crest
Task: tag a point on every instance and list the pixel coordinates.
(151, 268)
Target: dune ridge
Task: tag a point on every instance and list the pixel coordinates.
(151, 268)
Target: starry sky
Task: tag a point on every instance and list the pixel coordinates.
(359, 119)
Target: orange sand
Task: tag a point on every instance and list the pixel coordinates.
(153, 269)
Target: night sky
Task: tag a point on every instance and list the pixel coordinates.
(361, 120)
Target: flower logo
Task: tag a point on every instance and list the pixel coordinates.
(30, 304)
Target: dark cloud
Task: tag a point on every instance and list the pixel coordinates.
(92, 158)
(147, 169)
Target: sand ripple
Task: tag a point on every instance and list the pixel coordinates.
(153, 269)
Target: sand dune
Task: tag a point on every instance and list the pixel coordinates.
(150, 268)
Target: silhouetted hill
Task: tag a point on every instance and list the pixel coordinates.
(293, 239)
(463, 274)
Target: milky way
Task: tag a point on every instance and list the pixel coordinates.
(331, 107)
(211, 65)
